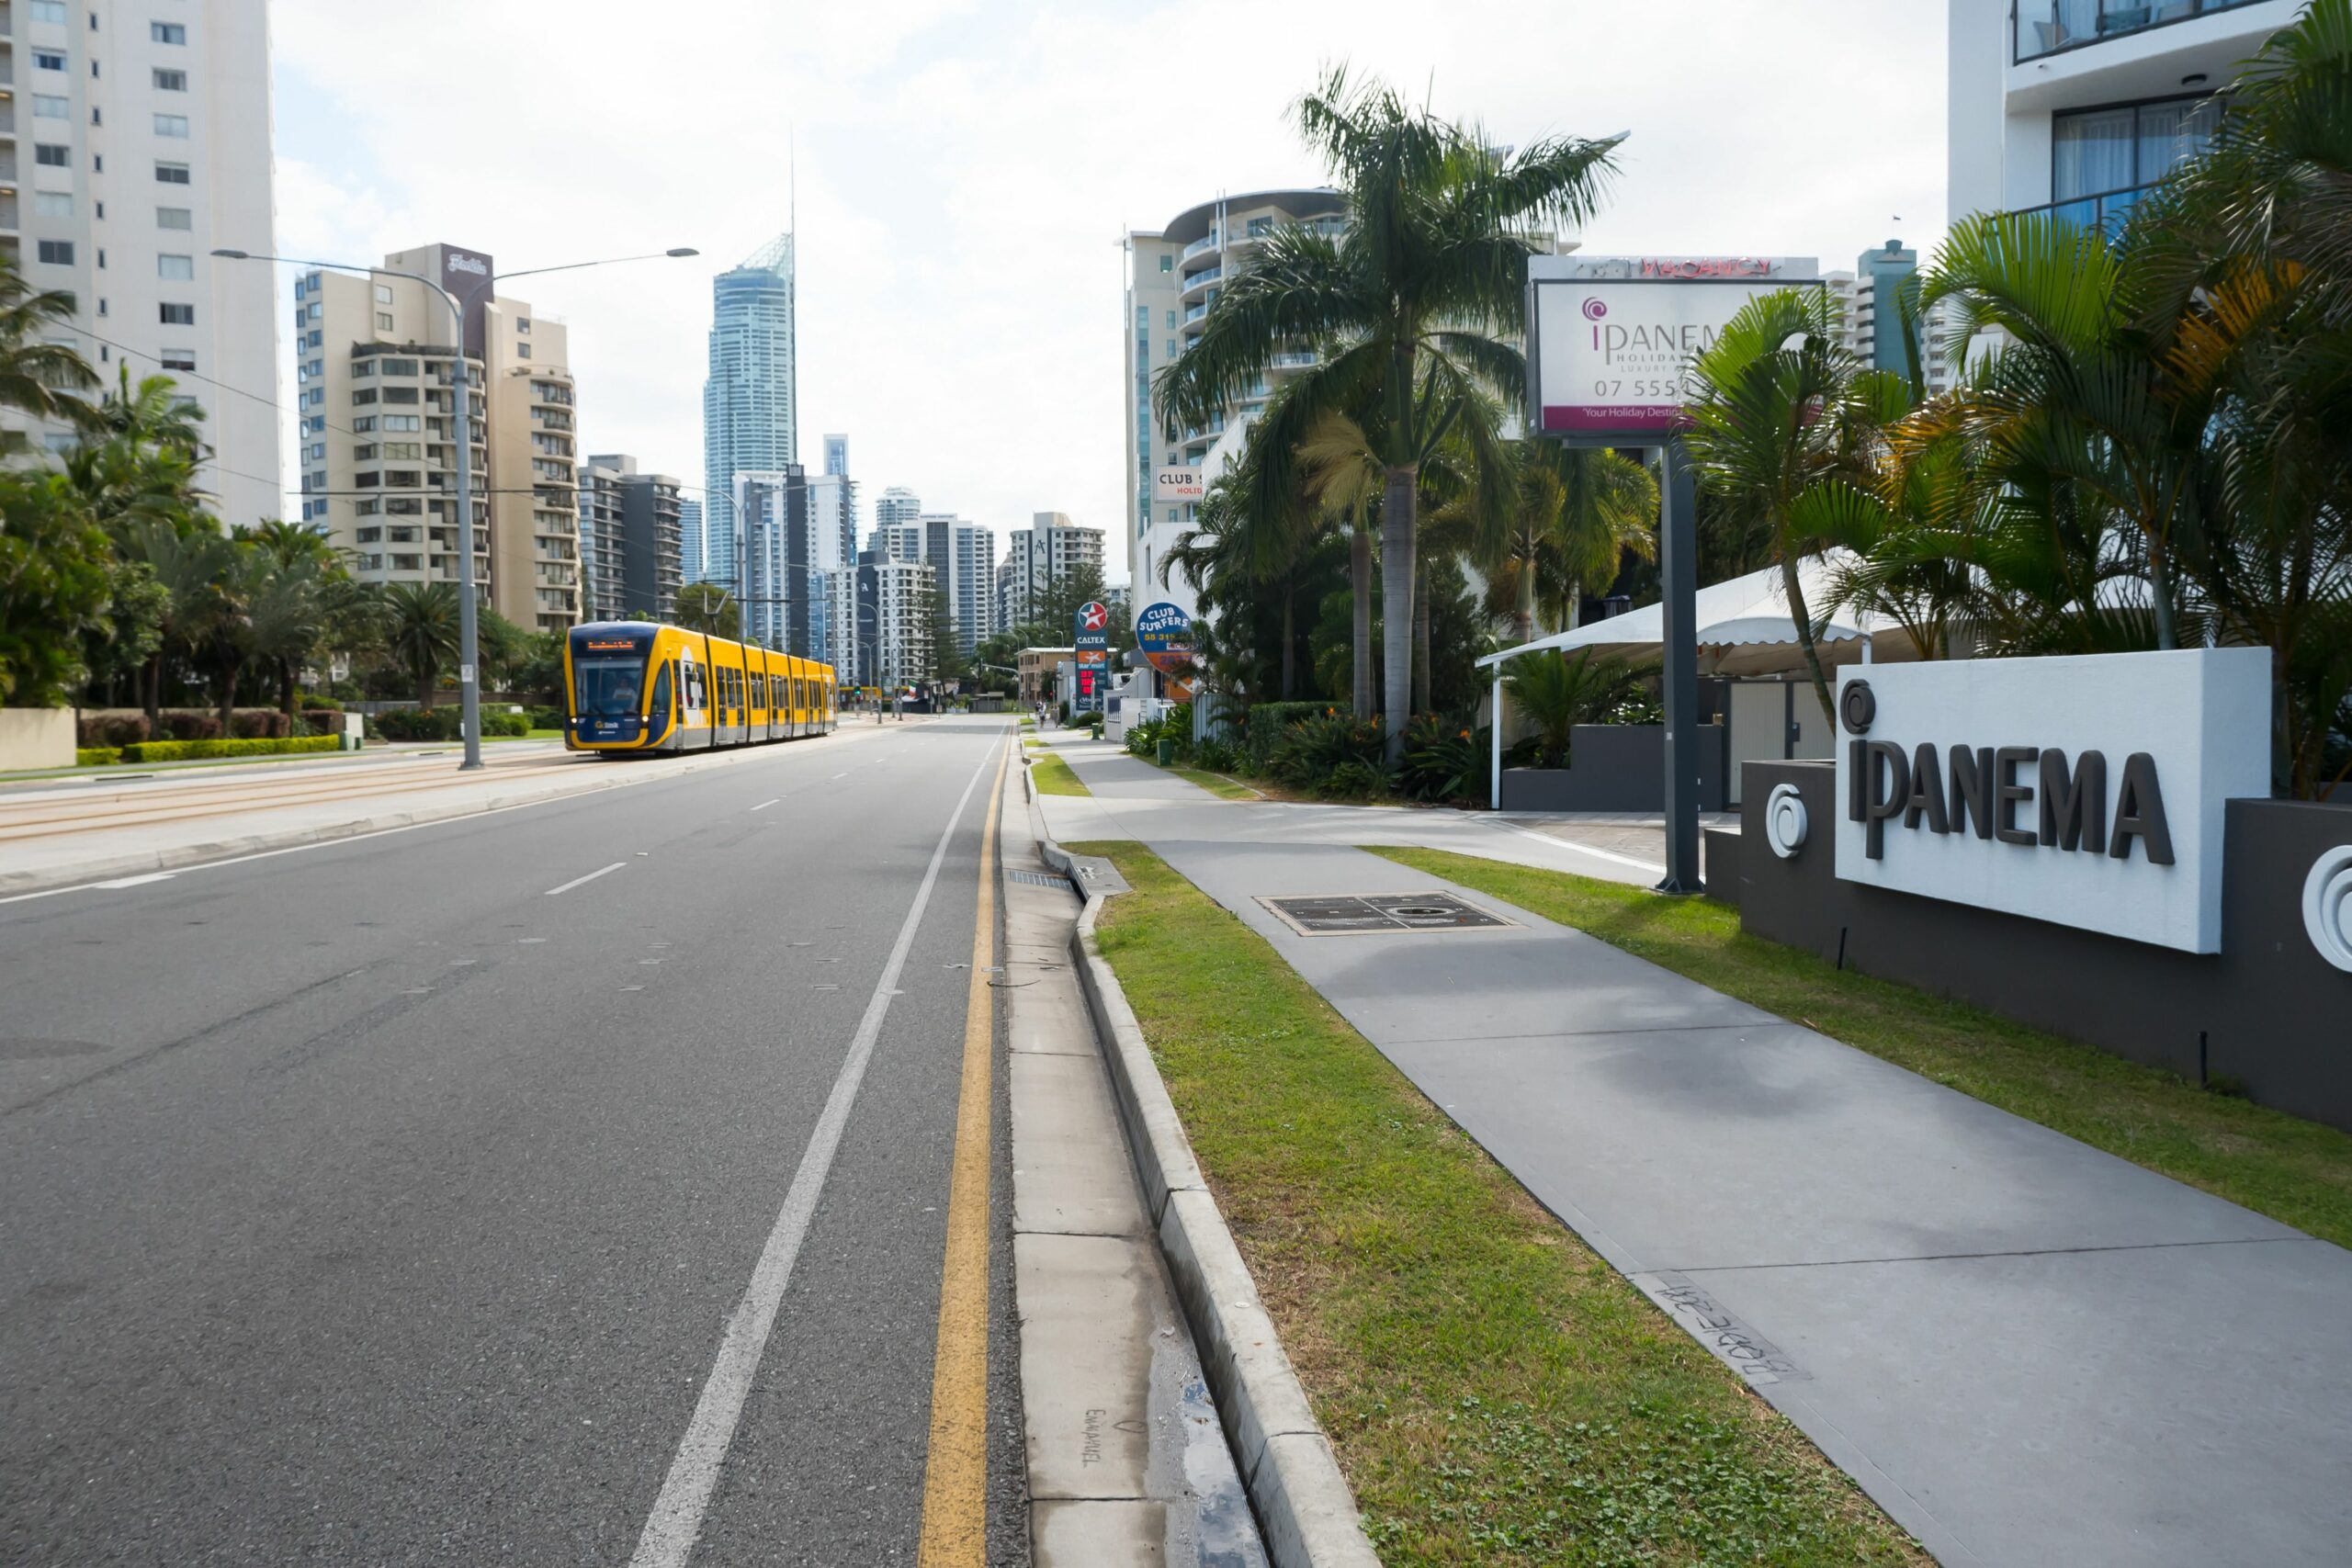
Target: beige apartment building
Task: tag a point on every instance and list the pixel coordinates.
(379, 439)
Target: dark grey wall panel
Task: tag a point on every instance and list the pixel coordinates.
(1615, 767)
(2274, 1015)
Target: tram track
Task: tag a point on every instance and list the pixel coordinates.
(138, 809)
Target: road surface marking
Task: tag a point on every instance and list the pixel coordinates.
(842, 774)
(676, 1519)
(138, 881)
(955, 1467)
(590, 877)
(766, 804)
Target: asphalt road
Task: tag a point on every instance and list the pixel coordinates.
(369, 1204)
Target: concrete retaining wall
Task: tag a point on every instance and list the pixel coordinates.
(36, 738)
(1615, 767)
(2270, 1011)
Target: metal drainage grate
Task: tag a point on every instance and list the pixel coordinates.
(1347, 915)
(1042, 879)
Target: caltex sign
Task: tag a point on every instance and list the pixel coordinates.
(1093, 626)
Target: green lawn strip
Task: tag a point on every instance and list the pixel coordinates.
(1497, 1394)
(2297, 1172)
(1218, 784)
(1053, 776)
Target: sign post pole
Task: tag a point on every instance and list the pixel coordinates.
(1678, 535)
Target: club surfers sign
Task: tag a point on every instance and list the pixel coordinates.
(2086, 790)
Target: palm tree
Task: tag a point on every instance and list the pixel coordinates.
(705, 607)
(290, 614)
(35, 375)
(191, 565)
(1556, 694)
(152, 414)
(1775, 417)
(421, 621)
(1415, 302)
(1576, 514)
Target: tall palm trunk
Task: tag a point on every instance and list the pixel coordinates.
(228, 672)
(1803, 619)
(1422, 674)
(1290, 641)
(1398, 516)
(1522, 618)
(151, 692)
(286, 692)
(1359, 586)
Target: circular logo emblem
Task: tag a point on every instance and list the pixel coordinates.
(1785, 820)
(1856, 707)
(2327, 905)
(1093, 615)
(1594, 309)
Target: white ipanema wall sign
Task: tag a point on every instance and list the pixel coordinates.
(2087, 791)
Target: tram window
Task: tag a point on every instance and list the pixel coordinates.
(609, 687)
(660, 709)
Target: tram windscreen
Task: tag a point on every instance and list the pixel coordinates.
(605, 686)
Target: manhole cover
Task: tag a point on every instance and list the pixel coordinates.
(1347, 914)
(1042, 879)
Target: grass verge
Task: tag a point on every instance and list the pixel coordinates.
(1053, 776)
(2297, 1172)
(1496, 1392)
(1219, 786)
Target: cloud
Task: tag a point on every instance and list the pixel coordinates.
(967, 169)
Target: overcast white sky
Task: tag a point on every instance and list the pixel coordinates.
(965, 171)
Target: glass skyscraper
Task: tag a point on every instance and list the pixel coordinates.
(750, 402)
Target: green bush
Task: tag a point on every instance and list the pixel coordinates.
(1216, 755)
(185, 724)
(259, 724)
(418, 723)
(313, 700)
(548, 718)
(1354, 781)
(95, 756)
(1263, 727)
(319, 721)
(1309, 753)
(184, 751)
(1446, 760)
(110, 728)
(505, 722)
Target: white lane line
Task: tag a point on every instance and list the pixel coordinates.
(676, 1519)
(138, 881)
(590, 877)
(842, 774)
(1649, 866)
(766, 804)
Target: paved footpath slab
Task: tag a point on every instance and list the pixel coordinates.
(2029, 1351)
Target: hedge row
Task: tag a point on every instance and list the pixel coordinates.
(185, 751)
(128, 726)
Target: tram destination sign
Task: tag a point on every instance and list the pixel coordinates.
(2086, 791)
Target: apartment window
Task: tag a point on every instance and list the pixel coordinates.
(175, 218)
(318, 451)
(363, 424)
(171, 81)
(49, 11)
(54, 203)
(522, 351)
(171, 125)
(2098, 152)
(1171, 321)
(522, 325)
(179, 269)
(383, 321)
(52, 154)
(49, 60)
(55, 252)
(412, 451)
(362, 396)
(399, 366)
(47, 107)
(399, 394)
(172, 174)
(167, 32)
(179, 358)
(177, 315)
(1172, 348)
(401, 421)
(372, 536)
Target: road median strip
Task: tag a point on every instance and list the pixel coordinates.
(1493, 1393)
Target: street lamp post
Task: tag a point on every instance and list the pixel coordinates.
(461, 408)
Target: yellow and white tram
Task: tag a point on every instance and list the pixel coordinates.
(636, 686)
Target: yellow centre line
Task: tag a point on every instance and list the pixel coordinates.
(955, 1482)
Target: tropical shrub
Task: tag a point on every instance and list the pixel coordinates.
(1309, 754)
(95, 756)
(505, 722)
(1445, 761)
(1217, 756)
(109, 730)
(258, 723)
(418, 723)
(1354, 781)
(1557, 694)
(548, 718)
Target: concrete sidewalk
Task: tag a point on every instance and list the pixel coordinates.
(2027, 1351)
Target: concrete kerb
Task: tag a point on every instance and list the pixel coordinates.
(181, 856)
(1305, 1510)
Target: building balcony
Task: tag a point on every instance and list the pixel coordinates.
(2043, 28)
(1195, 312)
(1293, 360)
(1205, 243)
(1196, 281)
(2106, 213)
